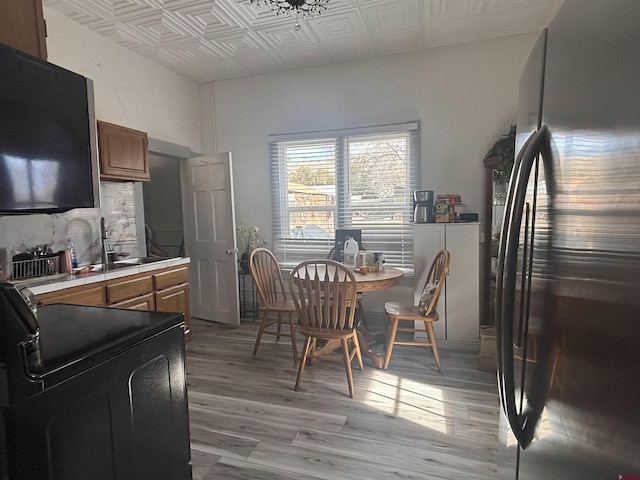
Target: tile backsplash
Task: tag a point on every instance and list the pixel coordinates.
(122, 209)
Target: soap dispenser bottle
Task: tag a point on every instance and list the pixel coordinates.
(72, 252)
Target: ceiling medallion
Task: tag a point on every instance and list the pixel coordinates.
(306, 8)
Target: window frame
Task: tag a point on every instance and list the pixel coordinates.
(289, 250)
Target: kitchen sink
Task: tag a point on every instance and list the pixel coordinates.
(99, 267)
(131, 262)
(143, 260)
(113, 266)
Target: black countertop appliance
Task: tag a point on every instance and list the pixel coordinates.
(91, 392)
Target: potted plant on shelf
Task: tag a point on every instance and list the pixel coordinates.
(248, 240)
(504, 150)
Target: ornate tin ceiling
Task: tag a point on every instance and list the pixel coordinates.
(208, 40)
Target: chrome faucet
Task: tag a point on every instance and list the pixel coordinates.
(106, 251)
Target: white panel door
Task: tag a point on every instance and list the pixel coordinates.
(210, 237)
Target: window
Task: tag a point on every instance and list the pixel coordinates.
(361, 178)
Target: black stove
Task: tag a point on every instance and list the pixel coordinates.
(91, 392)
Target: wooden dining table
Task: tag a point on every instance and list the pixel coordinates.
(370, 282)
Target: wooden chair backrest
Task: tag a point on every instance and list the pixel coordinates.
(438, 275)
(267, 276)
(324, 292)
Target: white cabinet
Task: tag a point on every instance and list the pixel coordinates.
(459, 306)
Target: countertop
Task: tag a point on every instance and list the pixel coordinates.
(52, 283)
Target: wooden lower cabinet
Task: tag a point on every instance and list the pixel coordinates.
(175, 299)
(172, 299)
(164, 290)
(172, 293)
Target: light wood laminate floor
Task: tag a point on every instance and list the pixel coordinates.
(408, 422)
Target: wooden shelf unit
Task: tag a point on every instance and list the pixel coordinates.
(488, 282)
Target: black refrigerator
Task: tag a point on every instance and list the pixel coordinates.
(568, 286)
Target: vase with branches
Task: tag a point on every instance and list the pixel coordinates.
(248, 240)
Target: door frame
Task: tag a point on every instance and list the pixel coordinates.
(179, 152)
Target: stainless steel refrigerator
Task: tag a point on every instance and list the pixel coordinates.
(568, 292)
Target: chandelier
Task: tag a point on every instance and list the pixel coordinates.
(306, 8)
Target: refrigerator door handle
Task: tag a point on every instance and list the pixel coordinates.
(502, 388)
(523, 425)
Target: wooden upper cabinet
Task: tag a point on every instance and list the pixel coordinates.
(22, 26)
(123, 153)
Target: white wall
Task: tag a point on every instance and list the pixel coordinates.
(465, 97)
(130, 90)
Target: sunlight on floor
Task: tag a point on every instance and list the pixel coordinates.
(413, 401)
(543, 430)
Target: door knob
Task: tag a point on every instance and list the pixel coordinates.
(228, 251)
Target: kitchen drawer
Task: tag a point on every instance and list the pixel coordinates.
(171, 277)
(143, 302)
(93, 294)
(129, 287)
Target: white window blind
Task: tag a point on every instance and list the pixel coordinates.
(362, 179)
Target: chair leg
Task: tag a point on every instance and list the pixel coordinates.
(432, 340)
(391, 337)
(303, 359)
(263, 322)
(347, 365)
(278, 327)
(312, 350)
(292, 328)
(356, 346)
